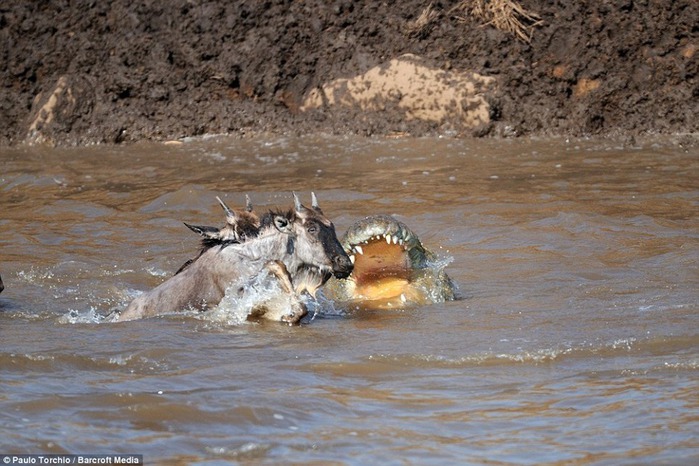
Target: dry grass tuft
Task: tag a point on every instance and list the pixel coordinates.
(423, 23)
(505, 15)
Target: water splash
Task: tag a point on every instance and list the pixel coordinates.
(34, 276)
(323, 306)
(240, 302)
(89, 316)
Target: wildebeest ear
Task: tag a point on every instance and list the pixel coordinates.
(282, 224)
(206, 232)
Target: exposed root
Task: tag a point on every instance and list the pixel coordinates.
(505, 15)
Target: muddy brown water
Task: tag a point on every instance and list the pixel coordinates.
(575, 339)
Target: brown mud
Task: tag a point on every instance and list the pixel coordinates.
(79, 72)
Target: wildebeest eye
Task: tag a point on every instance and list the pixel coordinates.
(312, 229)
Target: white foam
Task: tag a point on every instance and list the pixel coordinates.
(236, 306)
(74, 316)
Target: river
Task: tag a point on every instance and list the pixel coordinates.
(575, 338)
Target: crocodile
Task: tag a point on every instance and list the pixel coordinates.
(392, 268)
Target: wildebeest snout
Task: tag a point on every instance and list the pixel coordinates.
(342, 266)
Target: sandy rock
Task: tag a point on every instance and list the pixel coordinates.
(68, 100)
(410, 84)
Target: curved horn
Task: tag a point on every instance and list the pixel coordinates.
(297, 204)
(230, 214)
(314, 202)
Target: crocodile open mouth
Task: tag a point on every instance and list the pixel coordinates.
(385, 253)
(380, 267)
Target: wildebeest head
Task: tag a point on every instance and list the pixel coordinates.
(312, 240)
(239, 225)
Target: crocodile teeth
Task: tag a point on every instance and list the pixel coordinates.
(388, 239)
(395, 239)
(359, 249)
(352, 258)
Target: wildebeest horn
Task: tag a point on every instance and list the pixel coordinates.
(230, 214)
(297, 204)
(314, 203)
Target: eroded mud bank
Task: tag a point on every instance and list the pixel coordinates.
(85, 72)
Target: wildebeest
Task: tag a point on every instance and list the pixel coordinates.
(303, 240)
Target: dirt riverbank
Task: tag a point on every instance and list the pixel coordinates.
(79, 72)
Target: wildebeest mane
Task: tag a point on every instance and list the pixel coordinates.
(206, 244)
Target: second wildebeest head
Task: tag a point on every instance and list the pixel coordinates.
(240, 226)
